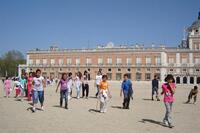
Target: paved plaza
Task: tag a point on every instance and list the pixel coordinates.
(144, 116)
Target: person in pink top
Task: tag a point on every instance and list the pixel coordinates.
(29, 85)
(7, 86)
(168, 90)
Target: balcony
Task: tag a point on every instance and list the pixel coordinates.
(171, 64)
(148, 64)
(100, 64)
(119, 64)
(184, 65)
(88, 64)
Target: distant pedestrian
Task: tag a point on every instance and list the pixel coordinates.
(7, 87)
(155, 87)
(97, 81)
(85, 85)
(168, 90)
(29, 85)
(78, 83)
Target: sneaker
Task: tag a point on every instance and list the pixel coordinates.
(42, 108)
(165, 123)
(33, 109)
(170, 125)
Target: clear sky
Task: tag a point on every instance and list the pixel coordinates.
(29, 24)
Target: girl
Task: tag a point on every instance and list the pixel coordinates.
(104, 93)
(63, 90)
(97, 81)
(168, 90)
(7, 86)
(17, 87)
(38, 90)
(22, 86)
(29, 85)
(78, 84)
(70, 84)
(85, 85)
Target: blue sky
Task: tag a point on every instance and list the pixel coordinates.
(29, 24)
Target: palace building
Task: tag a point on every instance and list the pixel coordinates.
(141, 63)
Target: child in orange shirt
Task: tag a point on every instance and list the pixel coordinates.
(104, 94)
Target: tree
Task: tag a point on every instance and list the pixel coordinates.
(9, 63)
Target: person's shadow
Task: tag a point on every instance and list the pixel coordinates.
(153, 121)
(94, 110)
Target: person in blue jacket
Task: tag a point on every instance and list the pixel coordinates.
(126, 89)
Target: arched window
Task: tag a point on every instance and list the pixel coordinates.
(198, 80)
(191, 80)
(178, 80)
(184, 80)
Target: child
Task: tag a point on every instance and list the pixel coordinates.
(70, 84)
(63, 90)
(104, 93)
(78, 84)
(193, 93)
(38, 90)
(155, 85)
(17, 87)
(85, 85)
(127, 90)
(97, 81)
(29, 86)
(22, 86)
(7, 87)
(168, 90)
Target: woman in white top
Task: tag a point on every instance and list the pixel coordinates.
(97, 81)
(78, 83)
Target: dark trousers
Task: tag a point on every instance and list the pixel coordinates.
(85, 88)
(126, 100)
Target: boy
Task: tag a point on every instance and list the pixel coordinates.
(155, 85)
(193, 93)
(127, 90)
(38, 89)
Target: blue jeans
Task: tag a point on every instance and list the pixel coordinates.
(38, 95)
(168, 117)
(63, 95)
(78, 90)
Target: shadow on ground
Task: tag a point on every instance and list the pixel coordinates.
(153, 121)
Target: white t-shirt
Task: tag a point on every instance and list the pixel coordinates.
(98, 79)
(38, 83)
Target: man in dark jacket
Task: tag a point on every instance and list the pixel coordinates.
(155, 86)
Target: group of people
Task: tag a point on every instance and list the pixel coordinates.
(32, 86)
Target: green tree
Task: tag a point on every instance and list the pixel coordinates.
(9, 63)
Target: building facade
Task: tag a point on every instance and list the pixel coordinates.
(141, 63)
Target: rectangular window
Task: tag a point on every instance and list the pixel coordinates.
(52, 61)
(148, 76)
(37, 62)
(158, 61)
(138, 61)
(44, 61)
(109, 61)
(138, 76)
(128, 61)
(61, 61)
(118, 76)
(109, 76)
(30, 62)
(197, 60)
(88, 61)
(148, 61)
(69, 61)
(100, 61)
(119, 61)
(171, 60)
(184, 60)
(77, 61)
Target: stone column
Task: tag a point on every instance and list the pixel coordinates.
(188, 79)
